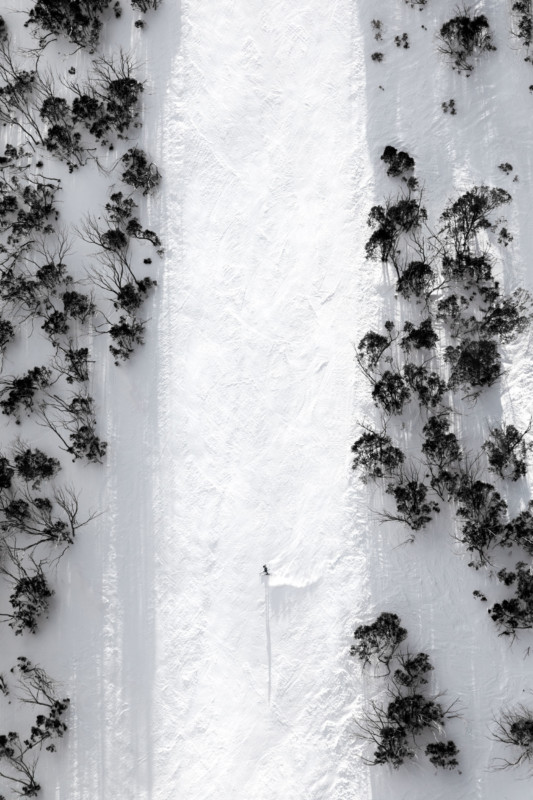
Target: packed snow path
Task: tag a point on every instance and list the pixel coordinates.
(253, 697)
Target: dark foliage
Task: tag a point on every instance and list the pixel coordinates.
(507, 452)
(34, 466)
(515, 729)
(126, 335)
(78, 20)
(19, 393)
(523, 17)
(109, 103)
(378, 642)
(417, 279)
(427, 385)
(474, 363)
(515, 613)
(145, 5)
(413, 669)
(412, 504)
(140, 173)
(463, 37)
(391, 392)
(372, 347)
(469, 214)
(483, 510)
(29, 599)
(376, 456)
(423, 336)
(398, 162)
(389, 222)
(443, 754)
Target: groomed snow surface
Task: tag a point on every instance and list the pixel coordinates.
(191, 675)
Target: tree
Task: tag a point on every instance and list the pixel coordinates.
(146, 5)
(398, 162)
(474, 363)
(421, 337)
(523, 19)
(372, 347)
(443, 754)
(515, 613)
(470, 213)
(33, 466)
(126, 335)
(411, 674)
(30, 595)
(377, 643)
(463, 37)
(376, 456)
(109, 102)
(391, 392)
(443, 455)
(140, 173)
(483, 510)
(507, 451)
(78, 20)
(428, 385)
(514, 729)
(412, 504)
(76, 419)
(19, 393)
(417, 278)
(389, 222)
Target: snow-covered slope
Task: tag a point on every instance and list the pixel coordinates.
(191, 674)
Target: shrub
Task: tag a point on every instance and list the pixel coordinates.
(17, 393)
(464, 37)
(523, 18)
(389, 222)
(515, 613)
(483, 509)
(377, 57)
(412, 671)
(398, 162)
(515, 729)
(417, 278)
(442, 455)
(423, 336)
(473, 363)
(33, 466)
(391, 392)
(412, 506)
(145, 5)
(78, 20)
(126, 335)
(376, 456)
(109, 103)
(507, 451)
(443, 754)
(29, 599)
(470, 213)
(428, 385)
(378, 642)
(140, 173)
(372, 347)
(519, 531)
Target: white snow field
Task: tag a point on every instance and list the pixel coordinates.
(192, 675)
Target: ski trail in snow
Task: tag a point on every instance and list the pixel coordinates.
(268, 639)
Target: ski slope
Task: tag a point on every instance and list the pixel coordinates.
(192, 675)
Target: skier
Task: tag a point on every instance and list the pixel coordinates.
(265, 570)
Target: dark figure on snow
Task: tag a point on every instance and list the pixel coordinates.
(265, 570)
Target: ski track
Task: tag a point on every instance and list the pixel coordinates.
(254, 696)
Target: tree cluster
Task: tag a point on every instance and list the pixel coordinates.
(395, 728)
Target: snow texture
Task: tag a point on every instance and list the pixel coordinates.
(191, 674)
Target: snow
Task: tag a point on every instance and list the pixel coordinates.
(191, 674)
